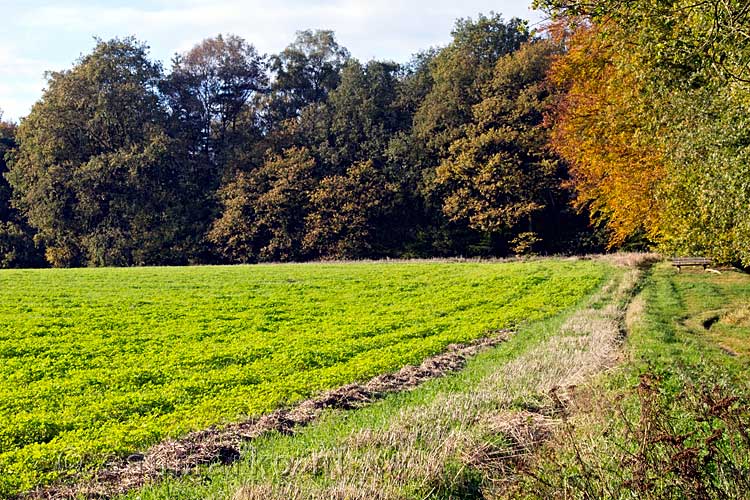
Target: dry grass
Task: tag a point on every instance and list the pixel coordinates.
(337, 492)
(631, 259)
(739, 316)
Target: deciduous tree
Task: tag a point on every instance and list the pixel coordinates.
(459, 71)
(347, 211)
(653, 120)
(211, 95)
(209, 89)
(605, 129)
(17, 247)
(499, 176)
(357, 120)
(305, 73)
(92, 173)
(263, 211)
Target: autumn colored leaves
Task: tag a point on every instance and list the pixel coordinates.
(652, 121)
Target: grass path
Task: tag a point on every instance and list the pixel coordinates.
(673, 422)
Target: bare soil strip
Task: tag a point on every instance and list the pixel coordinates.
(223, 445)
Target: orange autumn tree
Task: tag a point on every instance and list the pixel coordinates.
(607, 133)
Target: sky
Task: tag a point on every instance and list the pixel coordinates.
(44, 35)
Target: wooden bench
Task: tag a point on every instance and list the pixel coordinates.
(679, 262)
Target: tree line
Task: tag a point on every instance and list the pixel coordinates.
(654, 120)
(503, 142)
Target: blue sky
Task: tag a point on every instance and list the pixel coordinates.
(41, 35)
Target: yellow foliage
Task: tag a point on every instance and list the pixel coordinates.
(604, 129)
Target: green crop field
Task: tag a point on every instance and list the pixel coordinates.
(97, 363)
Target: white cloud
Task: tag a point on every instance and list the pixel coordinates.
(22, 82)
(16, 100)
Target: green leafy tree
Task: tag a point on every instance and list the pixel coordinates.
(7, 144)
(211, 94)
(366, 120)
(92, 173)
(264, 210)
(707, 191)
(17, 247)
(417, 228)
(440, 92)
(459, 71)
(357, 120)
(305, 73)
(208, 92)
(347, 212)
(687, 43)
(347, 135)
(499, 176)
